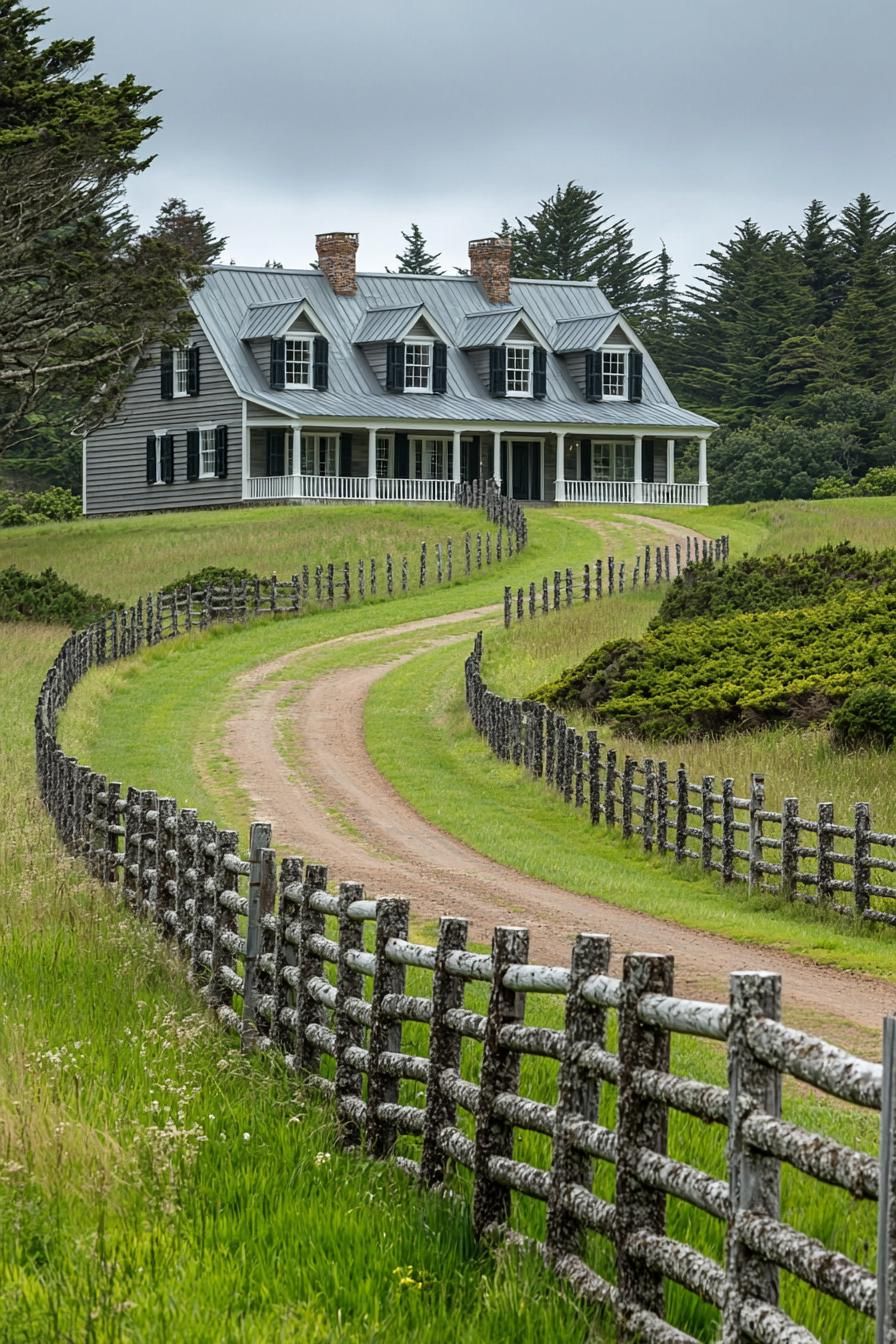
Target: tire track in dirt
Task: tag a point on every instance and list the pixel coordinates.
(337, 808)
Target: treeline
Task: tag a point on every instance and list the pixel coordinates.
(787, 338)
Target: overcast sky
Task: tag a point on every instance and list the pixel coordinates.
(286, 118)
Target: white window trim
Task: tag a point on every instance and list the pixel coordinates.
(183, 350)
(418, 340)
(314, 439)
(299, 336)
(626, 352)
(521, 345)
(628, 448)
(421, 440)
(389, 440)
(203, 474)
(160, 434)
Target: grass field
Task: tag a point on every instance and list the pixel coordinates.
(132, 1205)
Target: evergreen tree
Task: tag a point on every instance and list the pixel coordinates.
(566, 238)
(415, 260)
(860, 341)
(661, 322)
(627, 277)
(190, 231)
(822, 254)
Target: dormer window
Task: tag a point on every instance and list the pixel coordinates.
(519, 368)
(614, 375)
(418, 366)
(297, 356)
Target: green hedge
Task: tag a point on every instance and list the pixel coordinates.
(692, 678)
(54, 505)
(47, 597)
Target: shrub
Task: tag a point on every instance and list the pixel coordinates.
(47, 597)
(832, 487)
(214, 576)
(877, 481)
(54, 505)
(867, 717)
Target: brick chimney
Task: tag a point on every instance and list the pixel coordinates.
(336, 258)
(490, 263)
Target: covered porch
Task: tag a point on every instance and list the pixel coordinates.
(426, 464)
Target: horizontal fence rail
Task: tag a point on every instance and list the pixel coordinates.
(325, 979)
(845, 867)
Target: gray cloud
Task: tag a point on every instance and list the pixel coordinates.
(283, 117)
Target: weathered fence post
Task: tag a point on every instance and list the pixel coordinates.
(641, 1127)
(203, 898)
(226, 880)
(790, 840)
(610, 788)
(825, 853)
(628, 779)
(404, 573)
(545, 603)
(331, 584)
(444, 1049)
(757, 803)
(578, 1093)
(728, 831)
(662, 807)
(754, 1179)
(586, 583)
(349, 1032)
(569, 588)
(531, 601)
(594, 777)
(392, 916)
(861, 860)
(305, 959)
(507, 607)
(500, 1072)
(681, 814)
(389, 575)
(557, 578)
(649, 817)
(707, 822)
(166, 867)
(261, 871)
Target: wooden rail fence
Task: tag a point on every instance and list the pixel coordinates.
(289, 966)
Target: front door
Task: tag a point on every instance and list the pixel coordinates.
(525, 469)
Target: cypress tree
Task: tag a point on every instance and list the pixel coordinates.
(415, 259)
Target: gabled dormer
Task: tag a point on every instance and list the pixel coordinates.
(603, 356)
(289, 344)
(406, 347)
(507, 351)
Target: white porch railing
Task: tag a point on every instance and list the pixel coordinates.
(348, 488)
(599, 492)
(627, 492)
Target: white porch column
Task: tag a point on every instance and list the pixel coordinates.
(371, 464)
(295, 488)
(496, 459)
(560, 474)
(455, 460)
(638, 492)
(670, 461)
(701, 471)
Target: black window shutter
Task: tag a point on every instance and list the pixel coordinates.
(585, 460)
(278, 363)
(193, 371)
(150, 459)
(402, 457)
(192, 454)
(635, 375)
(504, 466)
(345, 454)
(539, 372)
(320, 369)
(394, 367)
(167, 373)
(221, 452)
(168, 459)
(594, 375)
(276, 452)
(439, 367)
(497, 371)
(647, 460)
(535, 468)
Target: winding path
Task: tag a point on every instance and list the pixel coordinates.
(337, 808)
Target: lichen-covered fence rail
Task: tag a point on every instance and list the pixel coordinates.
(285, 963)
(815, 860)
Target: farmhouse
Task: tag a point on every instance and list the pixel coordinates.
(329, 384)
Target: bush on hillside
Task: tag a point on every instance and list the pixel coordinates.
(47, 597)
(748, 670)
(866, 718)
(214, 576)
(878, 481)
(832, 487)
(773, 583)
(38, 506)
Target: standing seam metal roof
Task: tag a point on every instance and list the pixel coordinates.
(222, 303)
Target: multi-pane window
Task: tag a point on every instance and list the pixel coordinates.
(519, 370)
(613, 461)
(383, 458)
(318, 454)
(418, 366)
(432, 459)
(206, 452)
(297, 361)
(181, 365)
(614, 371)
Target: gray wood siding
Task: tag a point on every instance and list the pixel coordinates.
(479, 359)
(617, 337)
(376, 358)
(261, 353)
(115, 460)
(575, 365)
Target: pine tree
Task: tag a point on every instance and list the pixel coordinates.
(190, 231)
(566, 238)
(860, 341)
(660, 324)
(626, 276)
(822, 254)
(415, 260)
